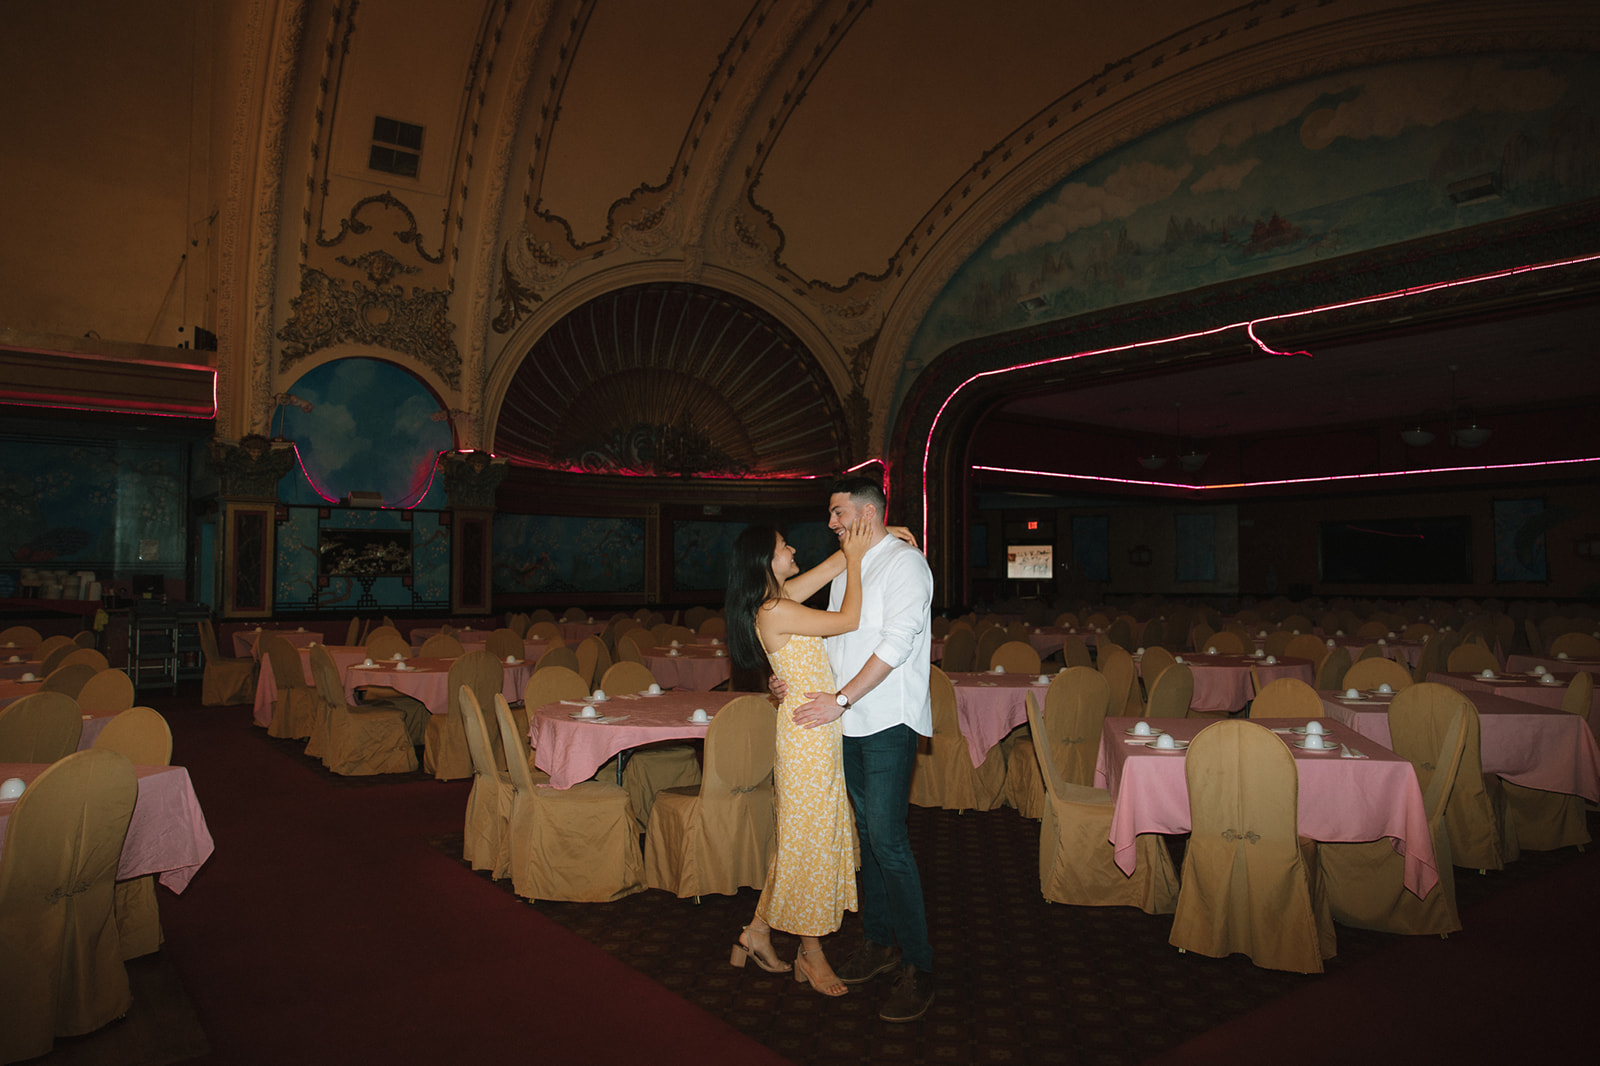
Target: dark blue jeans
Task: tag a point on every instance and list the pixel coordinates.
(877, 772)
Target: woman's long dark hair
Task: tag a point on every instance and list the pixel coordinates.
(750, 584)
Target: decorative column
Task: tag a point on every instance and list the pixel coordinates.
(470, 481)
(249, 472)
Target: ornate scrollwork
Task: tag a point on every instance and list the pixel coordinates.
(471, 478)
(411, 236)
(516, 299)
(652, 450)
(251, 468)
(329, 311)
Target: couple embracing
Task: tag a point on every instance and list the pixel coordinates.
(854, 684)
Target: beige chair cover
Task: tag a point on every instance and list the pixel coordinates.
(503, 642)
(1250, 881)
(295, 711)
(1365, 882)
(579, 844)
(1475, 814)
(1544, 821)
(52, 652)
(1075, 708)
(89, 656)
(1417, 631)
(1472, 658)
(1367, 674)
(1117, 666)
(41, 727)
(544, 686)
(990, 639)
(571, 614)
(719, 837)
(444, 752)
(960, 647)
(1200, 636)
(714, 626)
(1227, 642)
(225, 680)
(1434, 655)
(1579, 700)
(107, 691)
(62, 973)
(441, 646)
(1017, 656)
(143, 737)
(361, 741)
(1077, 862)
(562, 656)
(352, 632)
(68, 680)
(1155, 632)
(1172, 693)
(1074, 652)
(1330, 675)
(653, 768)
(1576, 646)
(631, 645)
(944, 776)
(1277, 642)
(1287, 697)
(1156, 661)
(545, 630)
(594, 659)
(25, 637)
(383, 643)
(1307, 646)
(1119, 633)
(1372, 630)
(486, 833)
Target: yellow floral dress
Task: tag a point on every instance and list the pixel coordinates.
(812, 881)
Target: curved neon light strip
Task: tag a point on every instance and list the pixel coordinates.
(406, 504)
(1249, 326)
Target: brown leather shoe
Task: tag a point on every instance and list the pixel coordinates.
(866, 962)
(911, 997)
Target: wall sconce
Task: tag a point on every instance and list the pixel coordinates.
(1469, 436)
(1140, 555)
(1416, 436)
(1190, 458)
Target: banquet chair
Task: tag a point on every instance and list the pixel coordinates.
(1475, 815)
(295, 710)
(571, 614)
(1296, 622)
(1306, 646)
(695, 615)
(1200, 636)
(1077, 861)
(107, 691)
(546, 630)
(53, 651)
(1544, 821)
(445, 630)
(1017, 656)
(1365, 882)
(1117, 666)
(668, 633)
(518, 623)
(361, 740)
(943, 776)
(441, 646)
(1226, 642)
(990, 639)
(84, 638)
(225, 680)
(578, 844)
(719, 836)
(653, 767)
(1371, 651)
(352, 633)
(63, 973)
(561, 656)
(939, 626)
(959, 648)
(1066, 618)
(1417, 631)
(544, 686)
(1287, 697)
(713, 626)
(1074, 652)
(1575, 646)
(1074, 710)
(1330, 673)
(1172, 693)
(25, 637)
(593, 659)
(444, 745)
(384, 644)
(1119, 633)
(631, 645)
(40, 727)
(68, 679)
(91, 656)
(503, 642)
(1366, 674)
(1155, 633)
(486, 829)
(1277, 642)
(1372, 630)
(1097, 620)
(1472, 659)
(1250, 881)
(143, 737)
(1017, 631)
(1579, 700)
(1156, 661)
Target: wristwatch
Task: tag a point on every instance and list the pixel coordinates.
(843, 701)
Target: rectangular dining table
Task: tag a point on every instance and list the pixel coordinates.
(246, 641)
(428, 680)
(990, 705)
(343, 655)
(694, 667)
(1224, 682)
(1529, 688)
(572, 750)
(1340, 799)
(167, 835)
(1525, 743)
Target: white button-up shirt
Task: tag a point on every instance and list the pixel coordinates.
(896, 599)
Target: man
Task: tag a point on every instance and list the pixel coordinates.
(884, 701)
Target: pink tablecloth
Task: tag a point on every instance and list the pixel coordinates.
(344, 656)
(576, 632)
(1522, 742)
(12, 671)
(167, 834)
(1223, 682)
(1047, 640)
(244, 640)
(989, 706)
(572, 751)
(1340, 799)
(428, 680)
(1523, 663)
(15, 690)
(471, 639)
(1525, 687)
(696, 667)
(1401, 651)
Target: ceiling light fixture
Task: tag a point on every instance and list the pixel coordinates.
(1190, 458)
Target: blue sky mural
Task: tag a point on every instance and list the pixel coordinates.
(1335, 165)
(372, 427)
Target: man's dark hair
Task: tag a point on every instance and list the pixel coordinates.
(863, 490)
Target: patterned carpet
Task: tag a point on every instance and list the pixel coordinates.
(1019, 980)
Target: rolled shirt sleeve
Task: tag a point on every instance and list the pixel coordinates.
(907, 601)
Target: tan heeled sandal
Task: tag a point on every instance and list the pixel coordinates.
(743, 951)
(802, 973)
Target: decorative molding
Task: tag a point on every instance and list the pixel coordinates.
(332, 311)
(251, 468)
(471, 478)
(410, 237)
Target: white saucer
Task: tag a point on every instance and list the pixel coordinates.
(691, 720)
(1181, 745)
(580, 716)
(1302, 730)
(1322, 750)
(1154, 732)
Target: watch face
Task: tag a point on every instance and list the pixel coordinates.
(842, 700)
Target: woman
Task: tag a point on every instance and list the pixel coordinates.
(812, 880)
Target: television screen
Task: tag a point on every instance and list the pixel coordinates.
(1398, 551)
(1030, 562)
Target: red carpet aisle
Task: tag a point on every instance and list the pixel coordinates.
(325, 929)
